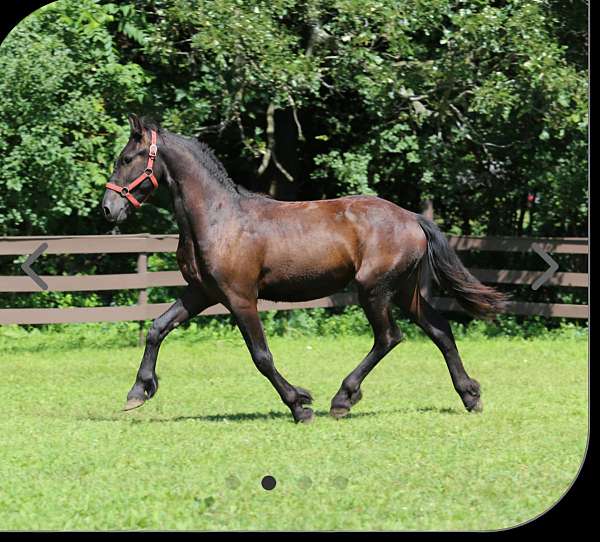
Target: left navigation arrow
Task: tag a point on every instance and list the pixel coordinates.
(26, 267)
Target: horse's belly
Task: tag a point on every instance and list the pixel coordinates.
(295, 286)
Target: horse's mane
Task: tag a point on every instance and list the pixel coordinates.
(207, 158)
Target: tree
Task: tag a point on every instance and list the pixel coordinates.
(476, 104)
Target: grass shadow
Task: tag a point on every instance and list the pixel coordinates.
(271, 415)
(440, 410)
(246, 416)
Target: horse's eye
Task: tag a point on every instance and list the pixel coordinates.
(126, 159)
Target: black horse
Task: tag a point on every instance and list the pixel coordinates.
(236, 246)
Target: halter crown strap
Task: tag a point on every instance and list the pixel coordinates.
(125, 191)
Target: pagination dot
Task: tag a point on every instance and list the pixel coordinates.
(268, 483)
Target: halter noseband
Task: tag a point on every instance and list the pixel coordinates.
(125, 191)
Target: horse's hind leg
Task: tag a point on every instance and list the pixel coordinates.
(187, 306)
(386, 336)
(438, 330)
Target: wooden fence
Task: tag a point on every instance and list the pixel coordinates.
(144, 244)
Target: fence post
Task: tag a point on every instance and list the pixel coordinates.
(142, 267)
(427, 206)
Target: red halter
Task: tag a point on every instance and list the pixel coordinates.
(125, 191)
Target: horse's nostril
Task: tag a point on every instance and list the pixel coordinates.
(106, 211)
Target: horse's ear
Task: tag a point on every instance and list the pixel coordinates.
(137, 129)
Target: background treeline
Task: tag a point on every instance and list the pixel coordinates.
(479, 106)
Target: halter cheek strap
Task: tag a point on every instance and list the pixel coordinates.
(125, 191)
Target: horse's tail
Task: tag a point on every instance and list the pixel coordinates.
(448, 271)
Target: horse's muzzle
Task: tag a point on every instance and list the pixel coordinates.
(115, 208)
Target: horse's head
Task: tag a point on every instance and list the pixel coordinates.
(135, 174)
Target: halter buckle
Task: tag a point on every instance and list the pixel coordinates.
(124, 191)
(153, 150)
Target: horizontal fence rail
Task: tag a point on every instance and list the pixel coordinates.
(558, 245)
(90, 244)
(89, 283)
(143, 244)
(113, 244)
(153, 279)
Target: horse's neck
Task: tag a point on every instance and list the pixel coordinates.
(200, 202)
(183, 223)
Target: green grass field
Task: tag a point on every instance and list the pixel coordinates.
(408, 457)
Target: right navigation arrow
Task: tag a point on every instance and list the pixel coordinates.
(549, 272)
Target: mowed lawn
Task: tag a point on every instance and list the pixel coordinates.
(408, 458)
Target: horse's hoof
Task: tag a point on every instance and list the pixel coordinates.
(307, 417)
(133, 403)
(478, 406)
(339, 412)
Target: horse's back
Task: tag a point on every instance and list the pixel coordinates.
(354, 222)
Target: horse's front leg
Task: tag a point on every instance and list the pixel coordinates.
(193, 301)
(246, 315)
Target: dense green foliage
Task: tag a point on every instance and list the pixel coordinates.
(408, 457)
(472, 104)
